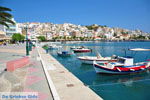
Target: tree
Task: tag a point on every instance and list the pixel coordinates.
(92, 27)
(141, 37)
(138, 37)
(17, 37)
(5, 17)
(73, 37)
(115, 34)
(124, 33)
(41, 38)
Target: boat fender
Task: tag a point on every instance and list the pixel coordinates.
(132, 69)
(142, 68)
(118, 69)
(105, 63)
(94, 62)
(148, 64)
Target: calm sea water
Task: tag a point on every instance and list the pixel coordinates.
(110, 87)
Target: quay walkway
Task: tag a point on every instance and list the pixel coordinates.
(64, 85)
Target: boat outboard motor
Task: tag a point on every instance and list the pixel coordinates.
(114, 56)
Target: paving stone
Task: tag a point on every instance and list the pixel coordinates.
(5, 85)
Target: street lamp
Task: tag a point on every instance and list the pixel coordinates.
(27, 44)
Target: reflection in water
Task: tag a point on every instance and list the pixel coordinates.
(104, 79)
(86, 67)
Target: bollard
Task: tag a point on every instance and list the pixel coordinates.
(46, 50)
(30, 46)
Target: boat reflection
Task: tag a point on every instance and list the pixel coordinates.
(86, 67)
(127, 80)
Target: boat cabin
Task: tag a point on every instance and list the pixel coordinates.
(127, 61)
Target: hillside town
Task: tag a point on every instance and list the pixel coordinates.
(68, 31)
(74, 50)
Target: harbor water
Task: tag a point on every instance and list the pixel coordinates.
(110, 87)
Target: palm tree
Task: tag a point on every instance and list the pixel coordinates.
(5, 17)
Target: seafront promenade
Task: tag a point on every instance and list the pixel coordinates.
(43, 74)
(30, 78)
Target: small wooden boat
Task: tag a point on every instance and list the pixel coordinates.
(80, 50)
(98, 59)
(77, 47)
(64, 54)
(54, 47)
(124, 65)
(73, 47)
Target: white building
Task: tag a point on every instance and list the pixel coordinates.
(18, 29)
(11, 30)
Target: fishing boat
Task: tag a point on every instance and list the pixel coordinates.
(64, 54)
(98, 59)
(82, 49)
(54, 47)
(74, 47)
(124, 65)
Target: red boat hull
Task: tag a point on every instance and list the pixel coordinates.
(78, 51)
(120, 70)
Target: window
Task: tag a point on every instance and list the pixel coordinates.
(121, 60)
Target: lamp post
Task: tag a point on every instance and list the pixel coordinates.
(27, 44)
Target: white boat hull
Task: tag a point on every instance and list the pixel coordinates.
(98, 70)
(91, 61)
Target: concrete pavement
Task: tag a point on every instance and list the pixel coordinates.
(10, 52)
(30, 78)
(63, 83)
(36, 80)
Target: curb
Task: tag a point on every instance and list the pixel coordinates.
(50, 82)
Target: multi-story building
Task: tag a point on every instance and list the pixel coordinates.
(2, 35)
(2, 28)
(11, 29)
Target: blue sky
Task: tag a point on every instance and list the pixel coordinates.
(129, 14)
